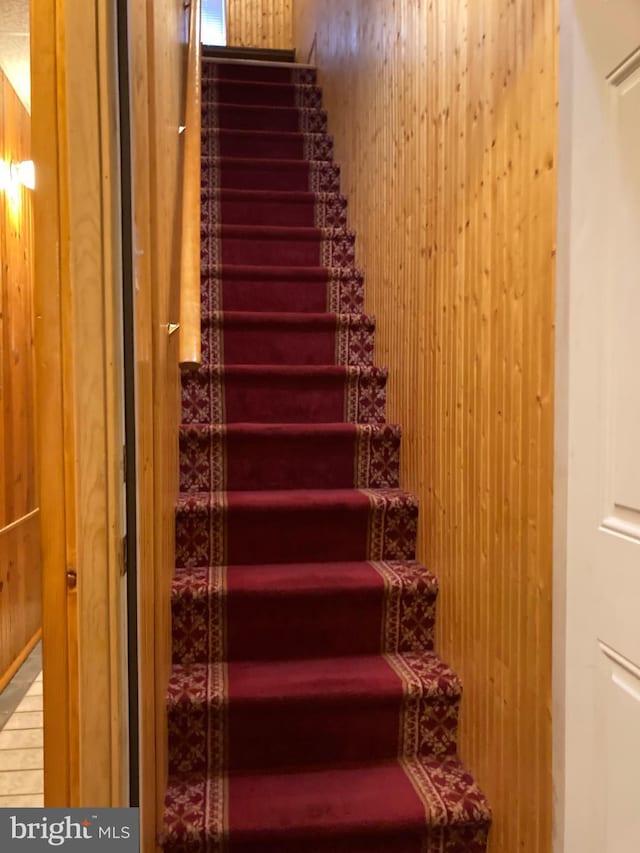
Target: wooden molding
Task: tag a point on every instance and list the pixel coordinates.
(190, 315)
(80, 400)
(17, 663)
(158, 39)
(54, 446)
(19, 522)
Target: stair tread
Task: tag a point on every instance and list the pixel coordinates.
(284, 393)
(269, 162)
(375, 797)
(309, 578)
(266, 134)
(272, 108)
(261, 92)
(278, 232)
(276, 456)
(319, 603)
(269, 107)
(280, 273)
(288, 318)
(304, 146)
(349, 678)
(290, 429)
(257, 57)
(292, 370)
(262, 86)
(308, 499)
(223, 113)
(228, 193)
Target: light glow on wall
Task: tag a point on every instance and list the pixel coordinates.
(24, 173)
(14, 174)
(5, 175)
(14, 178)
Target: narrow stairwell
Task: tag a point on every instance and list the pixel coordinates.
(307, 708)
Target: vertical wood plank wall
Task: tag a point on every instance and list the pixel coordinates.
(260, 23)
(157, 54)
(444, 114)
(20, 575)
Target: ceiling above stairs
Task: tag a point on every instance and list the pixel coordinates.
(14, 47)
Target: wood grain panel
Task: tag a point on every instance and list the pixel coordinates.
(95, 295)
(20, 590)
(260, 23)
(157, 38)
(444, 115)
(190, 343)
(54, 443)
(140, 136)
(78, 293)
(20, 575)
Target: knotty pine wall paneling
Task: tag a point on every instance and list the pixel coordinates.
(444, 115)
(260, 23)
(158, 53)
(20, 575)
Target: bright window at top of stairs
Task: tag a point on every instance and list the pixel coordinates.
(214, 25)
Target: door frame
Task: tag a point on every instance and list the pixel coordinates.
(561, 424)
(79, 399)
(575, 607)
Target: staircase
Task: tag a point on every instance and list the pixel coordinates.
(308, 712)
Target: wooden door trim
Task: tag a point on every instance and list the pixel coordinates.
(79, 399)
(60, 700)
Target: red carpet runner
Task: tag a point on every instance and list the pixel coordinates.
(307, 709)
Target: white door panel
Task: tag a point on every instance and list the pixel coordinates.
(611, 27)
(599, 270)
(619, 748)
(623, 314)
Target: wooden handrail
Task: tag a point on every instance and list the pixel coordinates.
(190, 342)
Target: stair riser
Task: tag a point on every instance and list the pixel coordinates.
(447, 840)
(245, 535)
(338, 251)
(466, 839)
(338, 295)
(358, 461)
(207, 399)
(285, 119)
(286, 733)
(323, 211)
(276, 146)
(259, 72)
(348, 346)
(287, 176)
(323, 625)
(264, 94)
(356, 609)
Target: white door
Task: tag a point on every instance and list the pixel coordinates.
(597, 618)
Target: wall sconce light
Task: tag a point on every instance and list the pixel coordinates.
(12, 174)
(25, 173)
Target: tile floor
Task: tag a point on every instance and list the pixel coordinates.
(21, 754)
